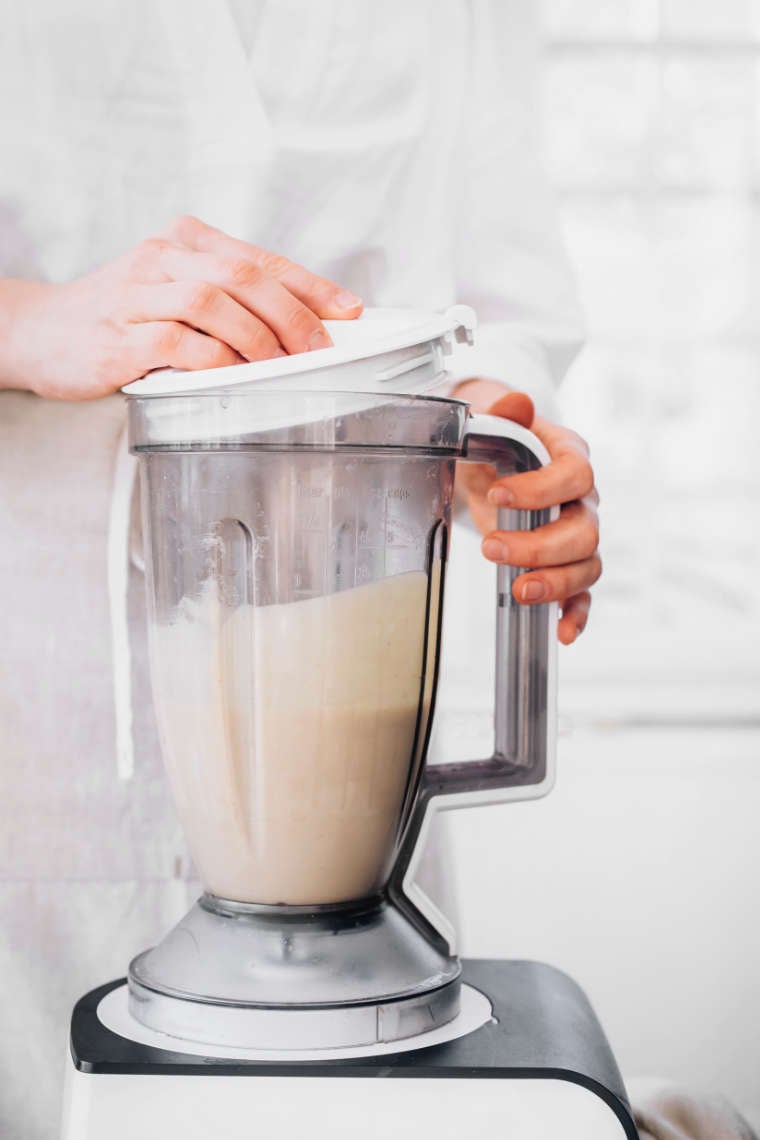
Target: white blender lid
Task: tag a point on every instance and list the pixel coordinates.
(391, 350)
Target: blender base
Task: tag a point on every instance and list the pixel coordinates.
(541, 1066)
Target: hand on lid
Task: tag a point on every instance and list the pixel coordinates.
(193, 298)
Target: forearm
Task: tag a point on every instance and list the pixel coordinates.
(18, 300)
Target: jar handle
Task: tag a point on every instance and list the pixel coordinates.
(523, 761)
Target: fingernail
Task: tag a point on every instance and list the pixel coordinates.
(318, 339)
(346, 300)
(495, 550)
(500, 497)
(533, 591)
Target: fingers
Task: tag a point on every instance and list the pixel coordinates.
(324, 297)
(490, 396)
(565, 563)
(569, 476)
(160, 344)
(562, 554)
(294, 325)
(206, 307)
(573, 537)
(516, 406)
(575, 613)
(321, 296)
(557, 583)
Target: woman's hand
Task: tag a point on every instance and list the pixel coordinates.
(563, 555)
(193, 298)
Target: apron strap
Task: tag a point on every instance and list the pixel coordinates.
(125, 470)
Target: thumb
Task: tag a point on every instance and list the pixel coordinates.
(514, 406)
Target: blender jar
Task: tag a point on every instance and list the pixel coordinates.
(294, 577)
(296, 518)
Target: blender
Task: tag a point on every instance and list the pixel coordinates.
(297, 520)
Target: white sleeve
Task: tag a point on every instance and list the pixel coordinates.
(511, 265)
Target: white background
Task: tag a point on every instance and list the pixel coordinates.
(640, 873)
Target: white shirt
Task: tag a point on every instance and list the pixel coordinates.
(393, 147)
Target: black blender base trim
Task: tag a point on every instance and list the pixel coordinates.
(545, 1028)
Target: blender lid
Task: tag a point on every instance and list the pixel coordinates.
(401, 350)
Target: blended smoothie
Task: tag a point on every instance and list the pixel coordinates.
(288, 733)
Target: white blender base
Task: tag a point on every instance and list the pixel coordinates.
(539, 1068)
(129, 1107)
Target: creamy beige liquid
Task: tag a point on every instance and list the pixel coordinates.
(288, 734)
